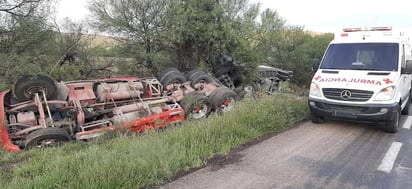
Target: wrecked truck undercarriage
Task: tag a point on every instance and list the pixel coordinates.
(232, 74)
(40, 112)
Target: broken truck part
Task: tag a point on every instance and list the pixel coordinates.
(40, 112)
(232, 75)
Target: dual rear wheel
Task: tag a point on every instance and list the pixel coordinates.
(196, 104)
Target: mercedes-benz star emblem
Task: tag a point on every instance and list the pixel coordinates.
(345, 95)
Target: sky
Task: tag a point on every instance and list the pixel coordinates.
(313, 15)
(74, 9)
(330, 16)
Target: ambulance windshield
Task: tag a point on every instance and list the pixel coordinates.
(362, 56)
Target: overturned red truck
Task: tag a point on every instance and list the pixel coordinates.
(41, 112)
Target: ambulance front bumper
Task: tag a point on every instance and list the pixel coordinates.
(358, 112)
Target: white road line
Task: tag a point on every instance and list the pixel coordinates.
(408, 122)
(390, 156)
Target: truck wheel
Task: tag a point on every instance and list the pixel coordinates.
(173, 78)
(28, 85)
(223, 99)
(240, 93)
(316, 119)
(190, 74)
(196, 105)
(166, 72)
(223, 66)
(47, 137)
(200, 77)
(392, 125)
(222, 71)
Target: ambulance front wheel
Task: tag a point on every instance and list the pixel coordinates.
(316, 119)
(392, 125)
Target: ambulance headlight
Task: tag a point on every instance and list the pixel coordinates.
(315, 90)
(385, 94)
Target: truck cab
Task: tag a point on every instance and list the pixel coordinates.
(364, 75)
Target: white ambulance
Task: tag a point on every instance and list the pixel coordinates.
(365, 75)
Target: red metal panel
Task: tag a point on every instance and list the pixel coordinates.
(4, 137)
(155, 121)
(82, 92)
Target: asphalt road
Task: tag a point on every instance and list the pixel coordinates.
(329, 155)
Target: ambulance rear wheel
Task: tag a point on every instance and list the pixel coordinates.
(405, 110)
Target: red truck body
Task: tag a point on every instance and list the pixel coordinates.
(83, 110)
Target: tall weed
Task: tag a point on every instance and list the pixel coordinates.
(153, 158)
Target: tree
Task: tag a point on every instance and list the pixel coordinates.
(139, 23)
(274, 39)
(184, 33)
(19, 8)
(23, 25)
(76, 56)
(205, 30)
(24, 37)
(289, 47)
(192, 34)
(304, 55)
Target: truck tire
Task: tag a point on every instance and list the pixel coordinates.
(218, 67)
(196, 106)
(222, 71)
(223, 99)
(173, 78)
(166, 72)
(28, 85)
(392, 125)
(47, 137)
(240, 93)
(190, 74)
(200, 77)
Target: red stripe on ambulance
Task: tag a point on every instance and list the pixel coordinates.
(352, 80)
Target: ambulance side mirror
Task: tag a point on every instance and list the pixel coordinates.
(315, 64)
(408, 68)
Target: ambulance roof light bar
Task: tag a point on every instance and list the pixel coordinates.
(367, 29)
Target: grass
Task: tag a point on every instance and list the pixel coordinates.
(154, 158)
